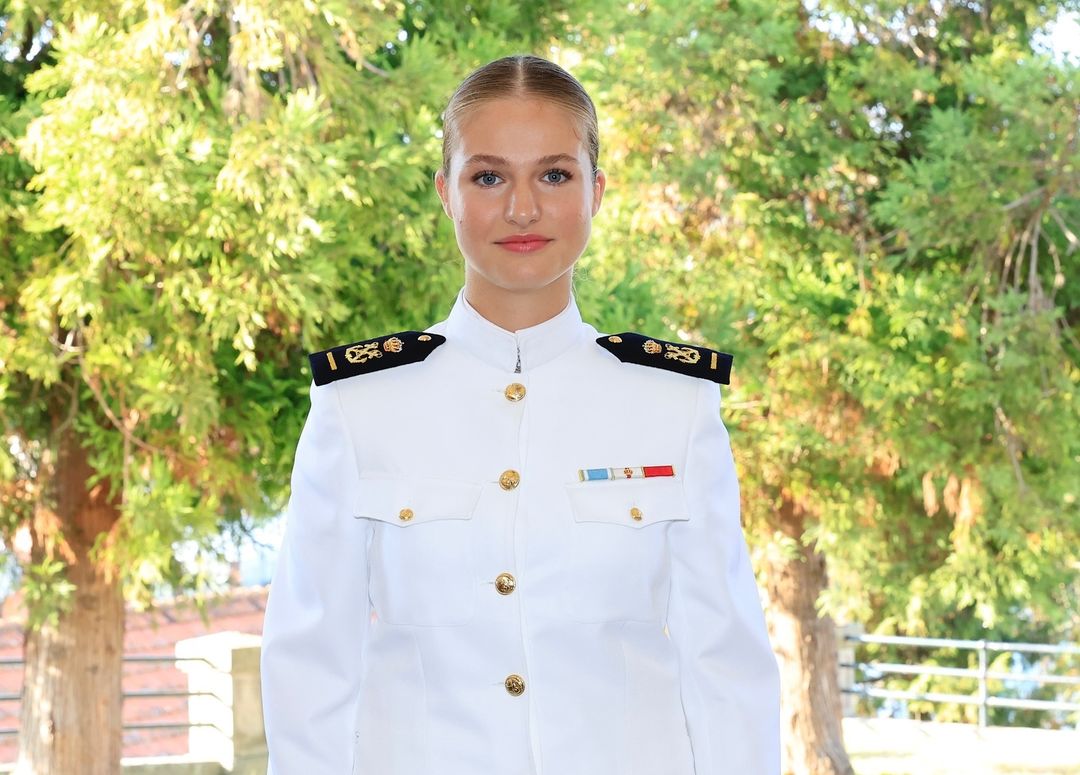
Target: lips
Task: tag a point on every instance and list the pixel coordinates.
(524, 243)
(524, 238)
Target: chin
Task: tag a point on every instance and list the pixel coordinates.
(529, 281)
(524, 276)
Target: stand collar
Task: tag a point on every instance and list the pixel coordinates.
(500, 348)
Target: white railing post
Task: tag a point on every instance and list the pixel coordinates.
(846, 669)
(226, 711)
(984, 690)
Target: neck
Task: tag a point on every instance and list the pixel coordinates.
(514, 310)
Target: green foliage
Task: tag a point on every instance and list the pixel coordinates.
(192, 197)
(46, 592)
(872, 207)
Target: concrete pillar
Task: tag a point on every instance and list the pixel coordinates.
(846, 657)
(223, 674)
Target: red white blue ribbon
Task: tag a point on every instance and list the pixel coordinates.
(626, 472)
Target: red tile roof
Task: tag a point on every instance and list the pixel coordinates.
(149, 633)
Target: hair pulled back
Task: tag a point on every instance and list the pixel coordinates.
(521, 75)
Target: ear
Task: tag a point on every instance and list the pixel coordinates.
(443, 187)
(599, 184)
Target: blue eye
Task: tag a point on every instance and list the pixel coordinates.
(566, 175)
(485, 174)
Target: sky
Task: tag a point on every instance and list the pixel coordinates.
(1062, 39)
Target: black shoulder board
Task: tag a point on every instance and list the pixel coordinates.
(382, 352)
(630, 347)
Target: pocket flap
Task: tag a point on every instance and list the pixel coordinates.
(407, 502)
(631, 502)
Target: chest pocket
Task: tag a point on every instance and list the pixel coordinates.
(421, 555)
(618, 566)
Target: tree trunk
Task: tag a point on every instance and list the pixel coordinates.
(71, 706)
(805, 644)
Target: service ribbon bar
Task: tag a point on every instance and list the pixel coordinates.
(626, 472)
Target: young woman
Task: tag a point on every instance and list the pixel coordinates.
(513, 544)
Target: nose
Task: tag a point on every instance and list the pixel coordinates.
(522, 206)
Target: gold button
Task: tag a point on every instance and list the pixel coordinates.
(405, 515)
(515, 684)
(505, 583)
(509, 479)
(514, 391)
(636, 514)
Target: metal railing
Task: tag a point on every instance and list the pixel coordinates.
(138, 694)
(982, 674)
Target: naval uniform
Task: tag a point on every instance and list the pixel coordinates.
(516, 553)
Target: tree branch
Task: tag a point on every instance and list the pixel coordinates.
(1024, 199)
(1069, 235)
(1012, 444)
(373, 69)
(95, 388)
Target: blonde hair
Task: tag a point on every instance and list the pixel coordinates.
(521, 75)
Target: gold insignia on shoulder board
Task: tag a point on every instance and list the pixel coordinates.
(614, 339)
(423, 338)
(651, 347)
(683, 354)
(362, 353)
(393, 345)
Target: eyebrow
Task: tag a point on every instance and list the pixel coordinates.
(484, 158)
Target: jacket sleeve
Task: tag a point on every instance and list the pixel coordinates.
(729, 675)
(317, 613)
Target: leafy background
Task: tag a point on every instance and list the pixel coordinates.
(873, 205)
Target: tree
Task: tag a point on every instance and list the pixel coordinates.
(874, 206)
(194, 195)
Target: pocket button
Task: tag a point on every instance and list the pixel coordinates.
(505, 583)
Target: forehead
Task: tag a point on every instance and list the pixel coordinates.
(518, 129)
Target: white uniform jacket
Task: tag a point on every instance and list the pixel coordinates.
(451, 598)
